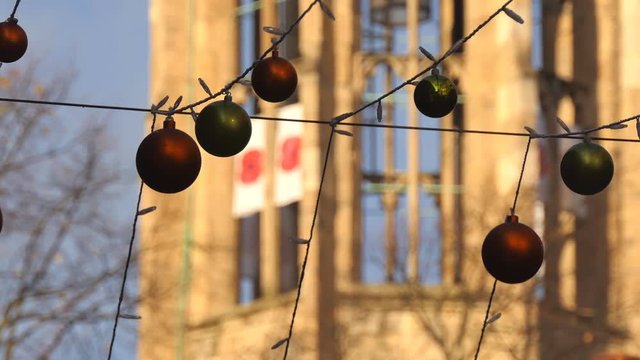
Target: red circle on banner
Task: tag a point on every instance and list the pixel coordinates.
(251, 166)
(290, 154)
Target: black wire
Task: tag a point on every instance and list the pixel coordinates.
(15, 8)
(579, 135)
(126, 268)
(308, 244)
(524, 163)
(486, 316)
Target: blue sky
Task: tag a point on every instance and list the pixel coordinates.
(105, 44)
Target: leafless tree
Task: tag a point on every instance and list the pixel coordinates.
(60, 263)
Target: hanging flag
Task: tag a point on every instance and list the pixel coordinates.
(288, 146)
(249, 166)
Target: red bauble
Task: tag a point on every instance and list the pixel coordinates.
(274, 79)
(168, 160)
(512, 252)
(223, 128)
(13, 41)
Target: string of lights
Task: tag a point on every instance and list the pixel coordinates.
(307, 244)
(137, 214)
(614, 125)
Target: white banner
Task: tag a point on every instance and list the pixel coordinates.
(288, 170)
(249, 167)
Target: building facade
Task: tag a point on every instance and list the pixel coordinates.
(217, 286)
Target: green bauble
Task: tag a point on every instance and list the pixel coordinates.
(435, 96)
(587, 168)
(223, 128)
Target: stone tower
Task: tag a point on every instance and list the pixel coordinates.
(193, 248)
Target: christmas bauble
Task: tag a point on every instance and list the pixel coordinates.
(223, 128)
(435, 96)
(587, 168)
(512, 252)
(13, 41)
(274, 79)
(168, 160)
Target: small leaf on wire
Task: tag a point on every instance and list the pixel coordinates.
(273, 30)
(299, 241)
(147, 210)
(513, 15)
(177, 103)
(245, 82)
(343, 132)
(426, 53)
(279, 343)
(205, 87)
(379, 112)
(339, 118)
(638, 127)
(194, 116)
(414, 82)
(563, 125)
(130, 317)
(494, 318)
(162, 102)
(325, 8)
(455, 46)
(617, 126)
(532, 132)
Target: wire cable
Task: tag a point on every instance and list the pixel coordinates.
(128, 262)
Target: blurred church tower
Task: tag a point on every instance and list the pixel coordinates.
(217, 282)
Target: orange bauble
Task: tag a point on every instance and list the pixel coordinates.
(274, 79)
(512, 252)
(168, 160)
(13, 41)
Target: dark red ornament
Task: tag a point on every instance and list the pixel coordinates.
(168, 160)
(13, 41)
(587, 168)
(223, 128)
(274, 79)
(435, 96)
(512, 252)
